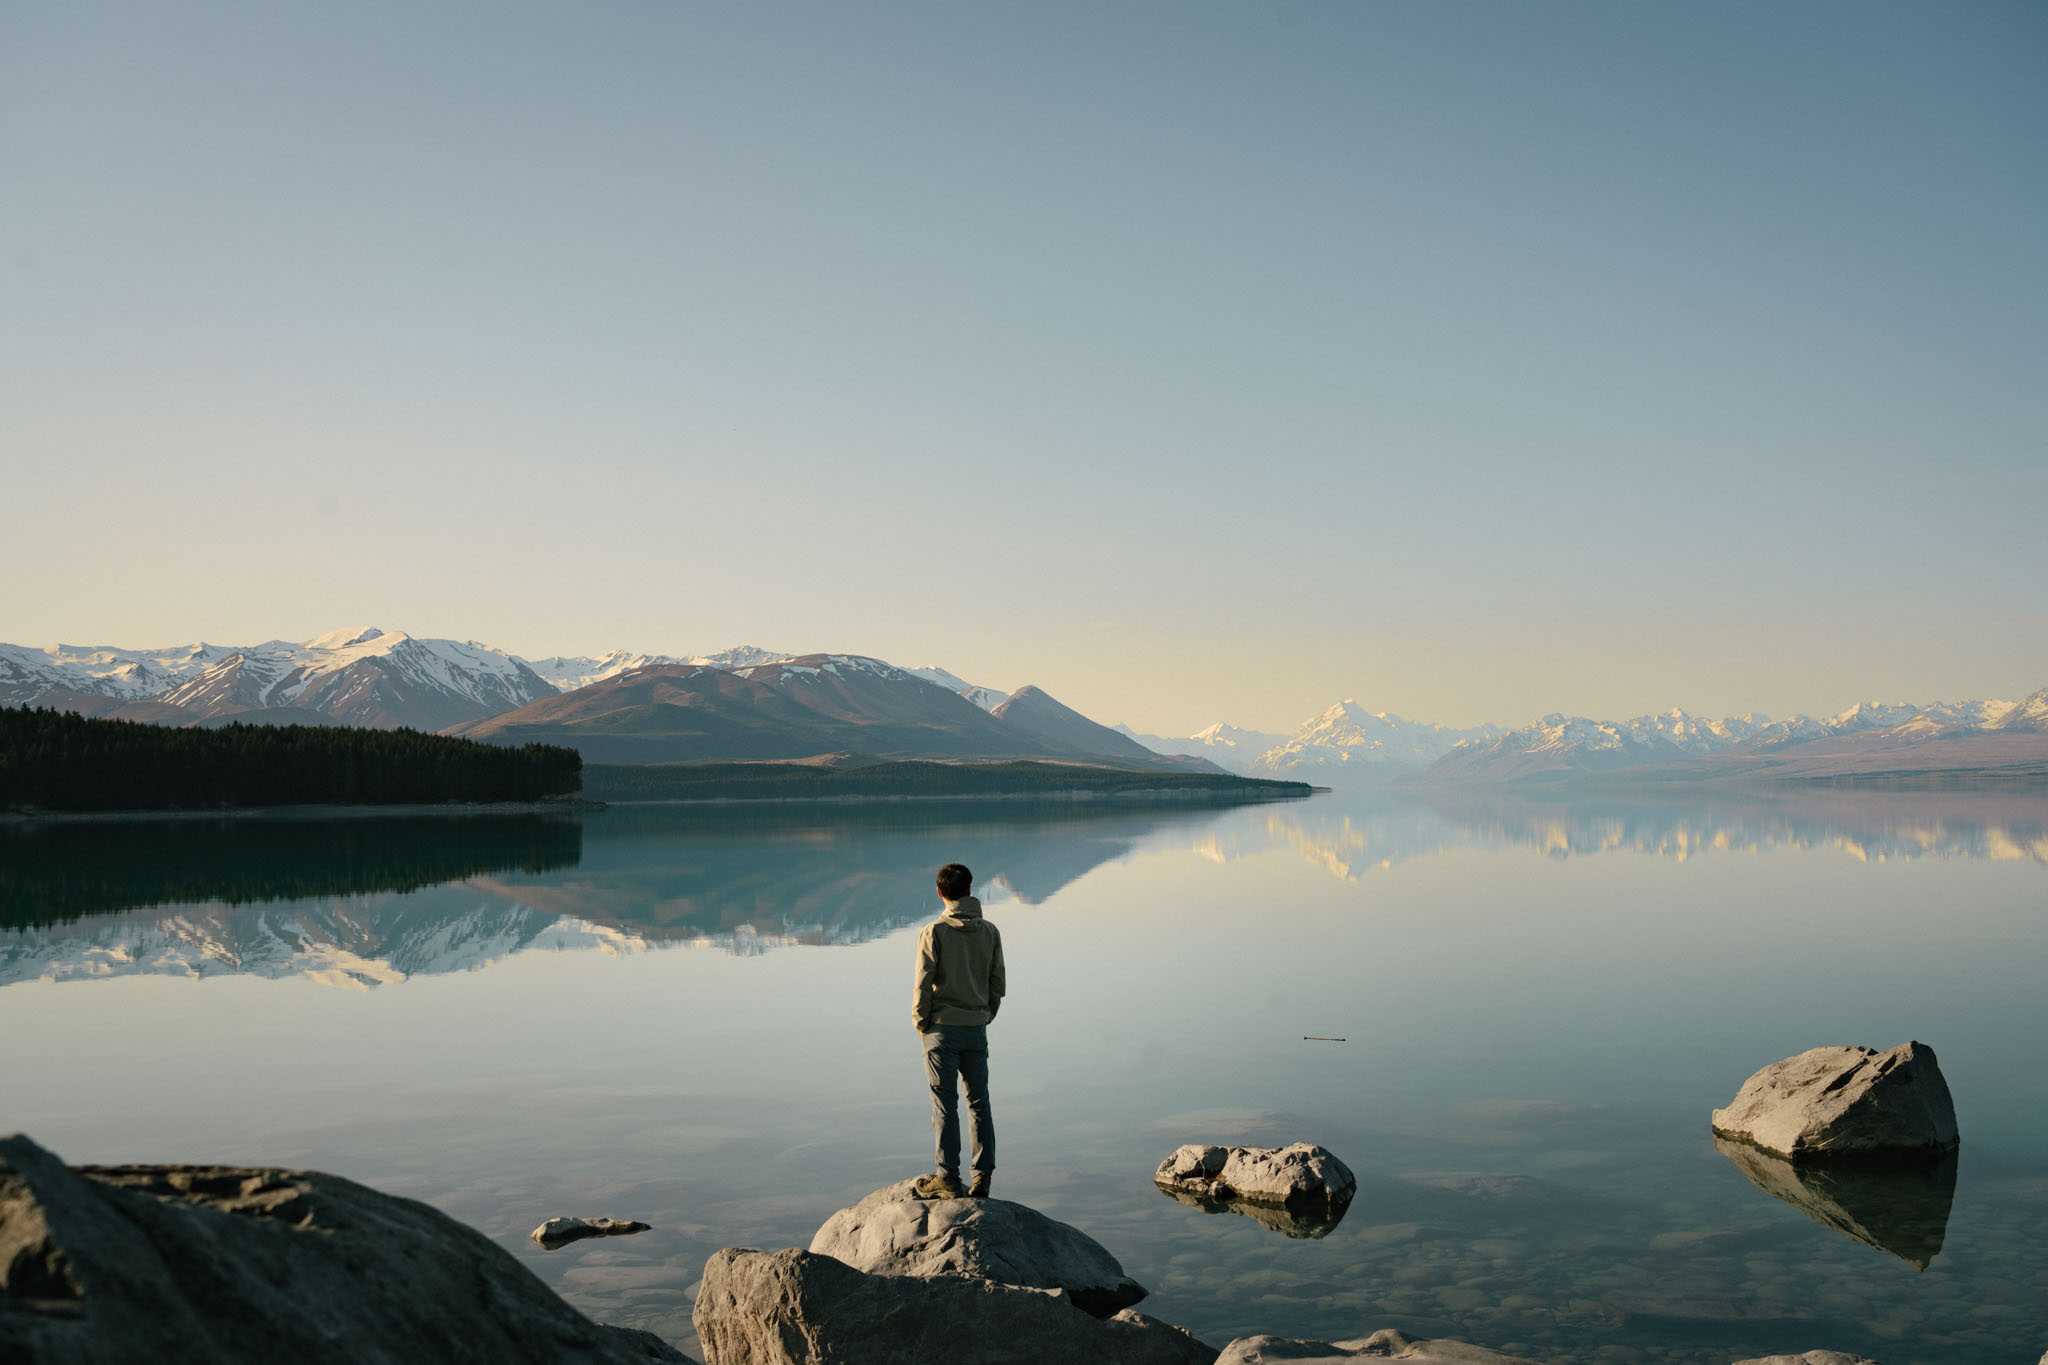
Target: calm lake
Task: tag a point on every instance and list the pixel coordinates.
(700, 1017)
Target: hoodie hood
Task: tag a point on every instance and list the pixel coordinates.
(964, 912)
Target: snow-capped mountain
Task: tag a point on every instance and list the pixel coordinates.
(1231, 747)
(567, 672)
(1869, 738)
(361, 675)
(1347, 736)
(987, 698)
(27, 673)
(2027, 716)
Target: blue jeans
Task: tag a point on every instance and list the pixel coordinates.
(953, 1054)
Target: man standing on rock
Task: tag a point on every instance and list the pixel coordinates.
(959, 988)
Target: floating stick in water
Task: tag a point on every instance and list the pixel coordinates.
(1321, 1038)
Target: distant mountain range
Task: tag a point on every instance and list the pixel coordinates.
(748, 702)
(360, 676)
(1869, 741)
(623, 707)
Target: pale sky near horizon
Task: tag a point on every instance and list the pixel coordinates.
(1195, 362)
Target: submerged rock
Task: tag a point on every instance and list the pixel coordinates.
(1810, 1358)
(1902, 1211)
(559, 1232)
(1385, 1344)
(1296, 1176)
(800, 1308)
(1835, 1103)
(1309, 1224)
(890, 1232)
(172, 1264)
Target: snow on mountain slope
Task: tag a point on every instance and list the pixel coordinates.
(741, 656)
(1349, 736)
(356, 676)
(1230, 747)
(26, 673)
(987, 698)
(567, 672)
(2028, 716)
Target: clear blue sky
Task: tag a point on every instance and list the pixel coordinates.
(1195, 362)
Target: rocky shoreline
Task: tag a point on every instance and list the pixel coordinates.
(221, 1263)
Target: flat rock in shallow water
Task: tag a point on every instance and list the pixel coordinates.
(1385, 1344)
(798, 1308)
(1902, 1210)
(1845, 1103)
(175, 1264)
(1815, 1358)
(559, 1232)
(891, 1232)
(1298, 1175)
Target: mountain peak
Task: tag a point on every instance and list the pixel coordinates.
(348, 637)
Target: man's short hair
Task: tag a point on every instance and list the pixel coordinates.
(955, 881)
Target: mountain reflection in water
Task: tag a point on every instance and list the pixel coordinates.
(375, 901)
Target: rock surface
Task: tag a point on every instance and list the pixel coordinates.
(892, 1233)
(1293, 1176)
(1306, 1223)
(559, 1232)
(1385, 1344)
(1900, 1210)
(1845, 1103)
(799, 1308)
(1810, 1358)
(175, 1264)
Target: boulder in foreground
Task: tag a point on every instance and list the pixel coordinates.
(175, 1264)
(891, 1232)
(1846, 1103)
(1299, 1175)
(1810, 1358)
(1385, 1344)
(799, 1308)
(559, 1232)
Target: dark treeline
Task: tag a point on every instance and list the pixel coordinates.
(798, 781)
(54, 760)
(51, 872)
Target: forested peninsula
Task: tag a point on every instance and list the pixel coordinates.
(57, 761)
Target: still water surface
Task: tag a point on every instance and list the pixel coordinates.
(700, 1018)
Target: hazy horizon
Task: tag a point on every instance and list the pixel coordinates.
(1195, 363)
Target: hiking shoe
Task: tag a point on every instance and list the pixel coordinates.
(979, 1189)
(939, 1186)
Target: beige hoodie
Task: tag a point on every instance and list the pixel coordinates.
(959, 968)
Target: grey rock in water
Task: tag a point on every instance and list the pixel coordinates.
(1295, 1176)
(177, 1264)
(1845, 1103)
(1385, 1344)
(798, 1308)
(891, 1232)
(1309, 1223)
(1902, 1210)
(1814, 1358)
(559, 1232)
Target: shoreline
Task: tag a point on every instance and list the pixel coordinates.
(309, 811)
(1215, 796)
(582, 806)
